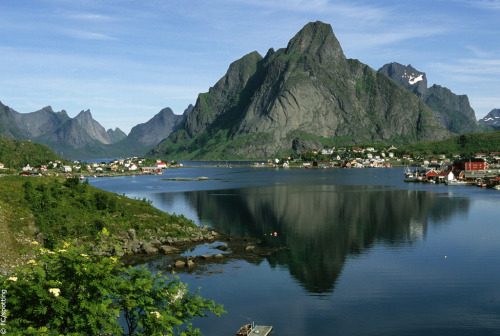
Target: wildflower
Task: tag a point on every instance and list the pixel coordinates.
(12, 279)
(32, 262)
(55, 291)
(62, 250)
(157, 314)
(34, 242)
(44, 250)
(113, 259)
(65, 245)
(84, 255)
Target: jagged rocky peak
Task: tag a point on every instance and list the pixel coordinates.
(492, 118)
(318, 40)
(187, 110)
(157, 128)
(406, 76)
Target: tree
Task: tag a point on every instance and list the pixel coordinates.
(70, 292)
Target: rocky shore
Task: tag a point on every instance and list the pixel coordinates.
(127, 242)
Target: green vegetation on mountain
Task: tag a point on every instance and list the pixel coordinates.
(66, 208)
(16, 154)
(266, 106)
(466, 145)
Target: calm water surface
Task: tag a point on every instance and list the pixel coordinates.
(367, 254)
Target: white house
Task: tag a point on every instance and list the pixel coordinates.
(160, 164)
(66, 169)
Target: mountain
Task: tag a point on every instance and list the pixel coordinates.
(452, 111)
(491, 119)
(407, 76)
(304, 96)
(159, 127)
(82, 136)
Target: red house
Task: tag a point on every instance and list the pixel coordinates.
(470, 164)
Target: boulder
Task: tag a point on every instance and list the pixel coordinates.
(132, 235)
(180, 264)
(165, 249)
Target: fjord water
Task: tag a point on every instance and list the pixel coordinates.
(366, 253)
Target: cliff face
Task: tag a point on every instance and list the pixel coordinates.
(452, 111)
(157, 128)
(308, 93)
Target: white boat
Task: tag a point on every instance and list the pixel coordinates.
(497, 187)
(455, 182)
(412, 176)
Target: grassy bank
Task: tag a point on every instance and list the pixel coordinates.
(52, 209)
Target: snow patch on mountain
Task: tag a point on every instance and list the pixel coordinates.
(412, 78)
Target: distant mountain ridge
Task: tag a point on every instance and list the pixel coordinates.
(304, 96)
(82, 136)
(452, 111)
(159, 127)
(491, 119)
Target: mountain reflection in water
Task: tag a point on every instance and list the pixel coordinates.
(322, 224)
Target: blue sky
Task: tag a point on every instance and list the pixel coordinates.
(126, 60)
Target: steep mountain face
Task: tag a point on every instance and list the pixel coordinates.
(40, 122)
(452, 111)
(491, 119)
(76, 133)
(82, 136)
(307, 94)
(8, 124)
(116, 135)
(27, 126)
(407, 76)
(157, 128)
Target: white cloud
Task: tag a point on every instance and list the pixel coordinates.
(86, 35)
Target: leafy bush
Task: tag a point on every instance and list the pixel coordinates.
(68, 292)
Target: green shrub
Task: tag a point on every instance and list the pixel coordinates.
(68, 292)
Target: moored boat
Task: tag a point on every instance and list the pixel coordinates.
(252, 329)
(455, 182)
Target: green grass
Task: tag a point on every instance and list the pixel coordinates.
(65, 209)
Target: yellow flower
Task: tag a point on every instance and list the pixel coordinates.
(65, 245)
(84, 255)
(113, 259)
(13, 279)
(34, 242)
(62, 250)
(44, 250)
(54, 291)
(157, 314)
(32, 262)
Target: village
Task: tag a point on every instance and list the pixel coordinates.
(482, 169)
(128, 166)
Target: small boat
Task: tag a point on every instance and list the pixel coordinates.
(412, 176)
(455, 182)
(253, 330)
(497, 187)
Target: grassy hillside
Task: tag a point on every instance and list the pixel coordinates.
(466, 145)
(50, 209)
(16, 154)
